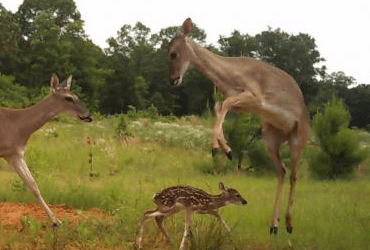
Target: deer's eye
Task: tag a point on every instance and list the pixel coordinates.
(69, 99)
(173, 56)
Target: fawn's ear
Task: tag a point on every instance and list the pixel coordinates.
(222, 186)
(54, 82)
(187, 27)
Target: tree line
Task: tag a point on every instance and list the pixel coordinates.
(44, 37)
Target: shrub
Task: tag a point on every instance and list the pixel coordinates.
(340, 151)
(242, 131)
(121, 128)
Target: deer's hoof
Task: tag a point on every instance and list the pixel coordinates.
(56, 224)
(273, 230)
(214, 151)
(229, 155)
(289, 229)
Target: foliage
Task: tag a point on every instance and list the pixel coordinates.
(358, 102)
(340, 151)
(12, 95)
(45, 37)
(242, 131)
(121, 128)
(10, 33)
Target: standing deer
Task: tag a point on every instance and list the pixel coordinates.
(249, 85)
(193, 200)
(17, 125)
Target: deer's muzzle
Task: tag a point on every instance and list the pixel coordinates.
(175, 81)
(86, 117)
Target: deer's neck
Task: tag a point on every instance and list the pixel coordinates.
(211, 65)
(219, 200)
(31, 119)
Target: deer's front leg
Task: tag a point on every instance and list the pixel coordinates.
(218, 138)
(243, 102)
(20, 166)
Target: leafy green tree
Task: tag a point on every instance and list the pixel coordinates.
(89, 71)
(65, 13)
(46, 45)
(49, 51)
(334, 84)
(128, 56)
(12, 95)
(358, 101)
(238, 44)
(10, 34)
(114, 94)
(340, 151)
(52, 40)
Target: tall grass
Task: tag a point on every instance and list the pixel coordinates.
(326, 215)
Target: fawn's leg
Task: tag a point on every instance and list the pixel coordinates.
(218, 216)
(146, 216)
(159, 220)
(188, 220)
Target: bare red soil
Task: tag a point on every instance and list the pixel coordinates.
(11, 213)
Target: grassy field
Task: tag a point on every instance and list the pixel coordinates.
(124, 174)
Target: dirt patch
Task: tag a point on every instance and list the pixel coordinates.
(11, 213)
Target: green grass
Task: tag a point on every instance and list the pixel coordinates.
(326, 215)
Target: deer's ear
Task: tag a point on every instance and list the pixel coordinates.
(222, 186)
(66, 85)
(187, 27)
(54, 82)
(68, 82)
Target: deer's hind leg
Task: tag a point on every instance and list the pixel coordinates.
(146, 216)
(274, 137)
(296, 146)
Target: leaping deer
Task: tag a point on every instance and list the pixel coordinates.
(193, 200)
(249, 85)
(17, 125)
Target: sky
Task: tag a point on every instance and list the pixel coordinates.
(340, 28)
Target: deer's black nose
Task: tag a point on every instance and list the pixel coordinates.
(86, 118)
(174, 81)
